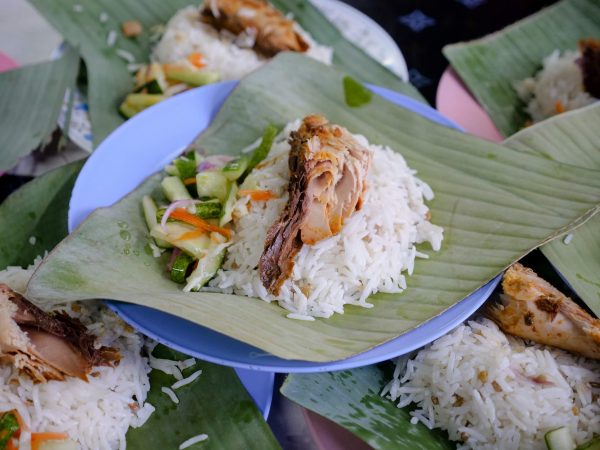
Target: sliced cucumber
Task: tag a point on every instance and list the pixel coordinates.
(263, 149)
(229, 203)
(172, 170)
(195, 247)
(192, 77)
(150, 213)
(186, 168)
(180, 267)
(206, 269)
(560, 439)
(211, 209)
(236, 168)
(594, 444)
(128, 111)
(151, 87)
(174, 189)
(142, 101)
(134, 103)
(157, 74)
(212, 184)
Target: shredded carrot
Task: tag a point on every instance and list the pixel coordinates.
(184, 216)
(40, 438)
(189, 181)
(197, 59)
(257, 195)
(22, 425)
(559, 107)
(191, 235)
(10, 445)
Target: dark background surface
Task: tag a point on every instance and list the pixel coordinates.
(422, 27)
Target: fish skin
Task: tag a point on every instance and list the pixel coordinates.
(328, 169)
(47, 346)
(274, 32)
(532, 308)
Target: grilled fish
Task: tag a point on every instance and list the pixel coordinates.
(47, 346)
(532, 308)
(273, 32)
(327, 183)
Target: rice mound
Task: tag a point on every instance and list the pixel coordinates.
(560, 80)
(96, 414)
(185, 34)
(491, 391)
(370, 254)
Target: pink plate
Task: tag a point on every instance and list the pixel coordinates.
(7, 63)
(455, 101)
(328, 435)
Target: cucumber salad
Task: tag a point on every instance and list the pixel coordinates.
(155, 82)
(193, 218)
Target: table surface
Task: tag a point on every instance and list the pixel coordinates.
(420, 28)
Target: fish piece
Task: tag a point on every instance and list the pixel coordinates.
(328, 168)
(47, 346)
(532, 308)
(590, 65)
(273, 32)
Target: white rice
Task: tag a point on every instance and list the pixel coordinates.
(170, 394)
(185, 34)
(560, 80)
(187, 380)
(503, 407)
(193, 440)
(96, 414)
(370, 254)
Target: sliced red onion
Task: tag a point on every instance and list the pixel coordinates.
(173, 206)
(213, 161)
(205, 165)
(174, 255)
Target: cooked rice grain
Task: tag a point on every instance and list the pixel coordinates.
(374, 250)
(186, 34)
(527, 389)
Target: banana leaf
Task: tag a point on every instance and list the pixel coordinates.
(495, 204)
(108, 79)
(33, 219)
(578, 261)
(489, 66)
(351, 399)
(215, 404)
(30, 100)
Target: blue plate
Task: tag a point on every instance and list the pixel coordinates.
(148, 142)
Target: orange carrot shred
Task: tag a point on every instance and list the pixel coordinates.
(184, 216)
(197, 59)
(257, 195)
(191, 235)
(10, 445)
(559, 107)
(189, 181)
(40, 438)
(22, 425)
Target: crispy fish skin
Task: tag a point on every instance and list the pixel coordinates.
(532, 308)
(590, 65)
(47, 346)
(274, 32)
(328, 168)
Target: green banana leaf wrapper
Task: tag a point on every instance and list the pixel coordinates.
(495, 204)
